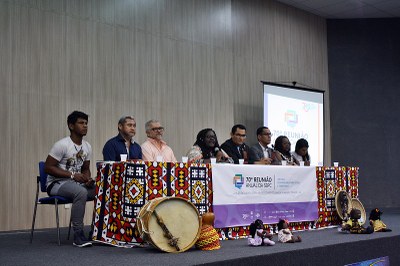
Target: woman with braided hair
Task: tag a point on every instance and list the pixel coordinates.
(205, 148)
(282, 151)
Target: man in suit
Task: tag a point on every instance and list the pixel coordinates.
(261, 153)
(235, 146)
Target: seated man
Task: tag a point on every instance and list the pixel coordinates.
(261, 153)
(154, 145)
(68, 169)
(123, 143)
(235, 146)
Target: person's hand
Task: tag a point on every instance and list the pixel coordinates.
(266, 160)
(81, 178)
(307, 163)
(90, 183)
(220, 156)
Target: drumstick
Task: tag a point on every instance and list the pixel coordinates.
(173, 241)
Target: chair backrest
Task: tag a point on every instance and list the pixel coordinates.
(42, 177)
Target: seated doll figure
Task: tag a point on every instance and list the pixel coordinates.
(259, 236)
(284, 234)
(376, 223)
(354, 226)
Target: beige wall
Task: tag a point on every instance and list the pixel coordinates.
(188, 63)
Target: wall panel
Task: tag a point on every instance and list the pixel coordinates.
(191, 64)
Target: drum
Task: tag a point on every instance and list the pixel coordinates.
(343, 204)
(171, 224)
(356, 204)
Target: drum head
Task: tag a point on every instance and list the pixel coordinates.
(356, 204)
(182, 220)
(343, 203)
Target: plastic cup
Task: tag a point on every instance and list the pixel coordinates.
(283, 162)
(336, 164)
(123, 157)
(213, 160)
(241, 161)
(301, 163)
(184, 159)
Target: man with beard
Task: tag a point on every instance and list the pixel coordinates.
(123, 143)
(155, 146)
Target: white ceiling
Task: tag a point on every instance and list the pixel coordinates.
(345, 9)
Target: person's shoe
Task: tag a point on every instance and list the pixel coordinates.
(80, 240)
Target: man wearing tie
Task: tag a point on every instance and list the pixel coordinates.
(235, 146)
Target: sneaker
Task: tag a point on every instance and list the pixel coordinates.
(80, 240)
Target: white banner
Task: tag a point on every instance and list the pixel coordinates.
(243, 193)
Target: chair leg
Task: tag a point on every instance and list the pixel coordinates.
(33, 221)
(58, 222)
(69, 228)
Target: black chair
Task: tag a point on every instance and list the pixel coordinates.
(49, 200)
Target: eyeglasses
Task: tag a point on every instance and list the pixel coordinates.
(157, 129)
(266, 134)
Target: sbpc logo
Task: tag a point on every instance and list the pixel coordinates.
(238, 181)
(291, 118)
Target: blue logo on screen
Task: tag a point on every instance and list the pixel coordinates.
(238, 181)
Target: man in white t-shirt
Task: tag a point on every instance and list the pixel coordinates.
(68, 169)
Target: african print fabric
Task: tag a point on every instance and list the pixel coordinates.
(122, 188)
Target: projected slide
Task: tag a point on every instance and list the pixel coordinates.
(296, 113)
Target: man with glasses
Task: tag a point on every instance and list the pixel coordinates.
(235, 146)
(261, 153)
(155, 146)
(123, 143)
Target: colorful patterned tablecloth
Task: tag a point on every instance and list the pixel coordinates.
(122, 188)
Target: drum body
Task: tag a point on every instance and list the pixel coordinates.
(180, 217)
(343, 204)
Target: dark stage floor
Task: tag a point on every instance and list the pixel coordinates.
(319, 247)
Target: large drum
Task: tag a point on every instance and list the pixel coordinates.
(170, 224)
(343, 204)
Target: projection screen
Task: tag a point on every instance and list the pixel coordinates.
(296, 113)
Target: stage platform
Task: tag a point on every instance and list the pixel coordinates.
(319, 247)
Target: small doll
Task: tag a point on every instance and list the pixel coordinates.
(284, 234)
(354, 226)
(375, 221)
(259, 236)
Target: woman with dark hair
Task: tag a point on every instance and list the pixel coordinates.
(205, 148)
(282, 151)
(301, 152)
